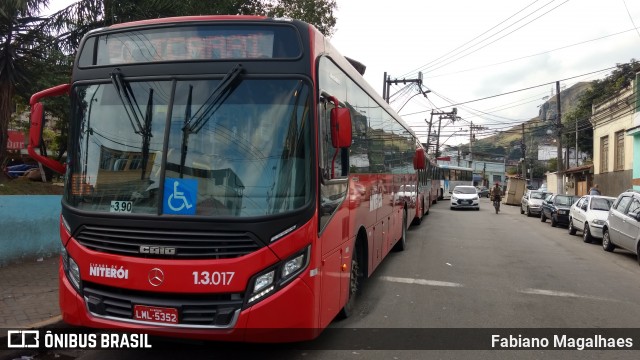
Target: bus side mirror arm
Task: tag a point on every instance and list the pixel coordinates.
(37, 122)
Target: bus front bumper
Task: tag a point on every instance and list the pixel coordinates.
(286, 316)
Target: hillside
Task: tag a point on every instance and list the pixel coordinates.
(536, 127)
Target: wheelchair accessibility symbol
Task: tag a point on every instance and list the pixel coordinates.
(180, 196)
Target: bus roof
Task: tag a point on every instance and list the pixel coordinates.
(181, 19)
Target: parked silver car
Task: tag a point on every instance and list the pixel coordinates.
(589, 215)
(622, 228)
(531, 203)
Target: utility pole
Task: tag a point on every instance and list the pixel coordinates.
(472, 138)
(560, 187)
(441, 115)
(523, 149)
(386, 88)
(576, 142)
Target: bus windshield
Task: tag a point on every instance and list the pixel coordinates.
(248, 157)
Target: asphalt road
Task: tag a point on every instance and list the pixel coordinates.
(468, 270)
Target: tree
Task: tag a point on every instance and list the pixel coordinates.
(29, 42)
(600, 90)
(84, 15)
(19, 50)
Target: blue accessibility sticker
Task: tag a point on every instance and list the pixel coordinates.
(180, 196)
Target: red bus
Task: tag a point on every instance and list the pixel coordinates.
(226, 174)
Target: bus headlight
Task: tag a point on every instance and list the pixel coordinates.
(292, 266)
(71, 269)
(274, 278)
(263, 281)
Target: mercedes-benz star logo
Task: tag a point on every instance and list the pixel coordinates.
(156, 277)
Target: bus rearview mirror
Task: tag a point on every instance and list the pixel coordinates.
(340, 126)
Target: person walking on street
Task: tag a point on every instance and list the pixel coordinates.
(594, 190)
(496, 196)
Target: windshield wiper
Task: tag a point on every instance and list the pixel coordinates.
(146, 133)
(217, 97)
(185, 133)
(128, 99)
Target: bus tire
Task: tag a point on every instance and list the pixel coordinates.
(401, 245)
(355, 280)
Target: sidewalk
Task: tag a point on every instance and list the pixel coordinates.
(29, 294)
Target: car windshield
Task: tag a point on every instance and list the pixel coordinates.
(564, 200)
(601, 204)
(537, 195)
(464, 190)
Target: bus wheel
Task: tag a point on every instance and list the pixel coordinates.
(401, 245)
(354, 282)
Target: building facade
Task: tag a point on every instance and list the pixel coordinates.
(634, 135)
(612, 148)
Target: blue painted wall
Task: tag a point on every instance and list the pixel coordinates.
(29, 227)
(636, 159)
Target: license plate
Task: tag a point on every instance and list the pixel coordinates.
(155, 314)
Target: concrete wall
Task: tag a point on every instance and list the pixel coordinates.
(29, 227)
(614, 183)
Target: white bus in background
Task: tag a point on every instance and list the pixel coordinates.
(451, 176)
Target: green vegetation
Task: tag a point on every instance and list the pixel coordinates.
(576, 107)
(36, 52)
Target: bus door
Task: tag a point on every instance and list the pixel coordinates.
(333, 214)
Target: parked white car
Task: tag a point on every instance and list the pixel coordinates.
(465, 196)
(589, 215)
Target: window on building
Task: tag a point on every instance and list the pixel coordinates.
(619, 151)
(604, 154)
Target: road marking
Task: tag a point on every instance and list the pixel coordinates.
(562, 294)
(420, 281)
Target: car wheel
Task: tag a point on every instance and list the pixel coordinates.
(638, 253)
(521, 211)
(572, 230)
(586, 234)
(606, 241)
(542, 217)
(554, 223)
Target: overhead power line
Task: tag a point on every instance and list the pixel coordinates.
(502, 37)
(519, 90)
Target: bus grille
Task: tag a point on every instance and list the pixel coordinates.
(207, 310)
(163, 243)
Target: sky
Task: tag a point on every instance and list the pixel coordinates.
(468, 50)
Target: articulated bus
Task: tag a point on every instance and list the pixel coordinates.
(451, 176)
(226, 174)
